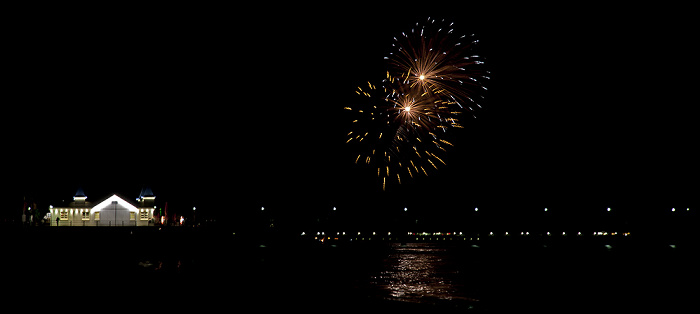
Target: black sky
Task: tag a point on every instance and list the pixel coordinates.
(211, 106)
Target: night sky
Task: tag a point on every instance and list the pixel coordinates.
(237, 108)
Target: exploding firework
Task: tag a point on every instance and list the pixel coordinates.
(436, 60)
(400, 128)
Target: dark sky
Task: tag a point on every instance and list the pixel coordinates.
(230, 108)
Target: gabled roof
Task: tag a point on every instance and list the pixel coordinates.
(114, 198)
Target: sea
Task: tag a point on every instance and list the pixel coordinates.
(175, 269)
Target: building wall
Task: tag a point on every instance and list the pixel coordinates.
(74, 217)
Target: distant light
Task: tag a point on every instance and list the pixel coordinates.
(673, 209)
(545, 209)
(405, 209)
(476, 209)
(194, 208)
(687, 209)
(262, 208)
(608, 208)
(407, 108)
(51, 206)
(421, 77)
(333, 207)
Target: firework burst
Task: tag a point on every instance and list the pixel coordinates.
(399, 131)
(400, 128)
(436, 60)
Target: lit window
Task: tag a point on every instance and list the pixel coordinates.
(85, 214)
(64, 214)
(144, 214)
(132, 216)
(97, 215)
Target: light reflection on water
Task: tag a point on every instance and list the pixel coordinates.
(420, 272)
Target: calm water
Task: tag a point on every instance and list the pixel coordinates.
(421, 272)
(174, 271)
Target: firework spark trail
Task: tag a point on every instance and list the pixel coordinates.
(433, 58)
(394, 130)
(401, 125)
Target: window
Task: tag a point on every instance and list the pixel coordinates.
(97, 215)
(132, 216)
(85, 214)
(64, 214)
(144, 214)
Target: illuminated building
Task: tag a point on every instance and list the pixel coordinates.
(112, 211)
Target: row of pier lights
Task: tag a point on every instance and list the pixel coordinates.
(448, 236)
(477, 232)
(476, 209)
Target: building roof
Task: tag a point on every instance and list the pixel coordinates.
(146, 192)
(115, 198)
(102, 202)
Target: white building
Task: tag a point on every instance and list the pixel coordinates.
(112, 211)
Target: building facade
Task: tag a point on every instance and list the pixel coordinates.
(114, 211)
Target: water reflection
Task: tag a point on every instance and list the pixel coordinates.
(420, 272)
